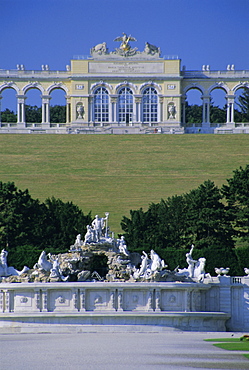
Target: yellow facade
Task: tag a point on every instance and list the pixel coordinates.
(124, 91)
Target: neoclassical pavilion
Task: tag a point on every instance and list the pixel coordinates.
(124, 91)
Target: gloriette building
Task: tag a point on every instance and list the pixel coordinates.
(124, 91)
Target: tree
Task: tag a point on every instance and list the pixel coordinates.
(8, 116)
(236, 193)
(33, 114)
(244, 105)
(193, 113)
(208, 224)
(58, 114)
(63, 222)
(27, 226)
(217, 115)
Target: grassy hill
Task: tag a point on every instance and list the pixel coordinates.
(117, 173)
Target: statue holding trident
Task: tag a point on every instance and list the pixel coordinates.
(191, 262)
(125, 47)
(98, 225)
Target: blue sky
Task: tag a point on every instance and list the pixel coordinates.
(36, 32)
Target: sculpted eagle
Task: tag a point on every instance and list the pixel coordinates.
(125, 41)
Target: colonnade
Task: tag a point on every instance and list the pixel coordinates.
(206, 102)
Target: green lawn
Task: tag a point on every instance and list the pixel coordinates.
(117, 173)
(231, 344)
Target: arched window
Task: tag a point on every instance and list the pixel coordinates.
(149, 105)
(125, 105)
(101, 105)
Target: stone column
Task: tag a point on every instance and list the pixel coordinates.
(160, 112)
(6, 306)
(230, 108)
(82, 300)
(206, 109)
(111, 304)
(120, 299)
(44, 300)
(1, 301)
(158, 300)
(37, 299)
(68, 111)
(138, 109)
(187, 300)
(225, 294)
(21, 109)
(183, 102)
(91, 108)
(75, 297)
(46, 110)
(113, 109)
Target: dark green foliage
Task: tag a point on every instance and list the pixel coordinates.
(33, 114)
(63, 222)
(208, 224)
(8, 116)
(236, 193)
(244, 104)
(58, 114)
(27, 226)
(193, 113)
(170, 227)
(217, 115)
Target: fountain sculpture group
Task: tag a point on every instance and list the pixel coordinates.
(122, 265)
(132, 290)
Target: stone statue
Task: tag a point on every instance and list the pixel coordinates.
(3, 262)
(122, 246)
(43, 263)
(125, 46)
(55, 272)
(99, 49)
(143, 267)
(78, 241)
(196, 269)
(89, 236)
(80, 111)
(98, 225)
(151, 49)
(156, 263)
(191, 262)
(171, 111)
(9, 271)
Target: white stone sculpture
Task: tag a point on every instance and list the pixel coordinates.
(122, 246)
(246, 271)
(221, 271)
(171, 111)
(191, 262)
(99, 49)
(148, 266)
(195, 269)
(80, 111)
(98, 225)
(89, 236)
(43, 263)
(143, 267)
(151, 49)
(157, 263)
(55, 271)
(125, 46)
(9, 271)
